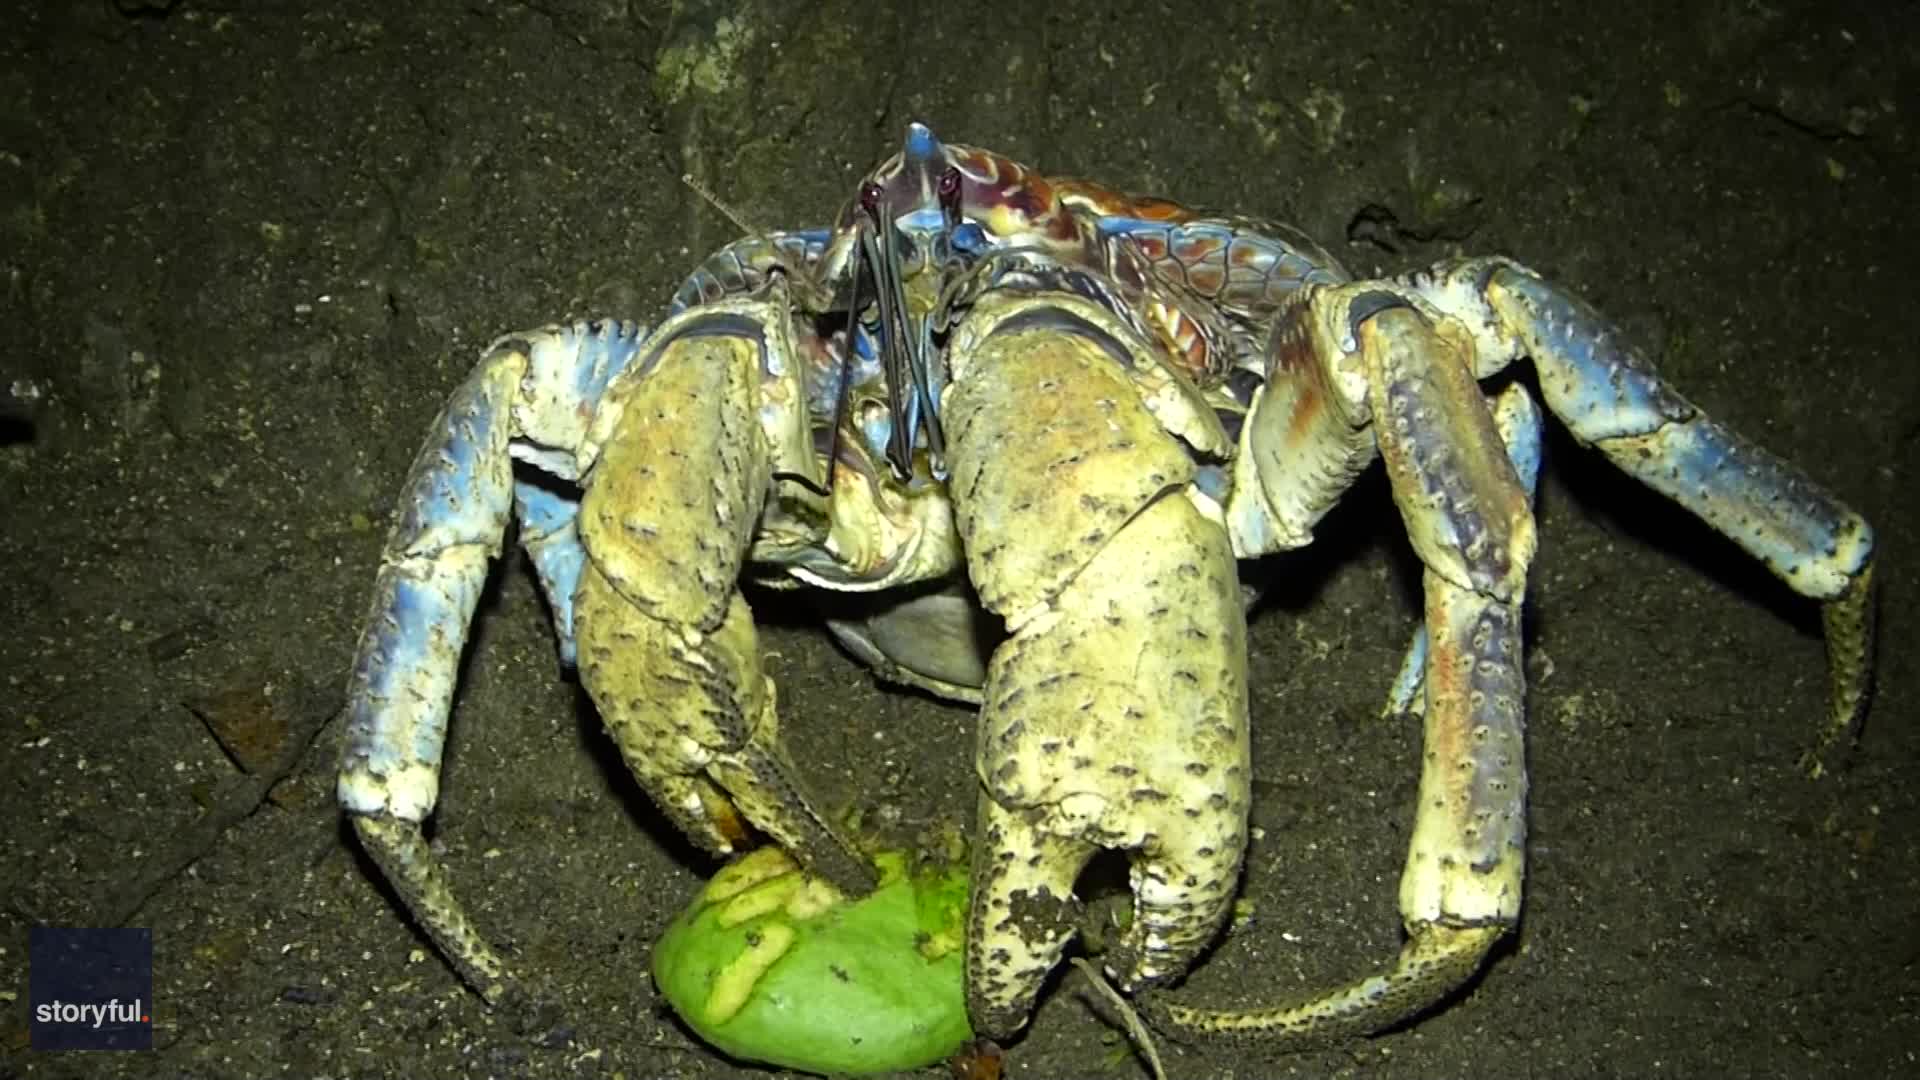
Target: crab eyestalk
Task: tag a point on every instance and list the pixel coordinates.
(910, 232)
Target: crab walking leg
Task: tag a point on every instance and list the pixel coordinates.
(526, 392)
(1610, 397)
(1517, 419)
(550, 535)
(1467, 515)
(1115, 715)
(667, 645)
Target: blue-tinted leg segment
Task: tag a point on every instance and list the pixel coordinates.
(530, 398)
(549, 533)
(1611, 397)
(452, 516)
(1407, 697)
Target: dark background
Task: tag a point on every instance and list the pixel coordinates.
(246, 248)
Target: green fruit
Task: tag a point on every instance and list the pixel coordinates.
(771, 965)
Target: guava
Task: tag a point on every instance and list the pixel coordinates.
(771, 965)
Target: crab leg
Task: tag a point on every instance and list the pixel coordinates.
(1468, 517)
(1611, 398)
(1115, 714)
(520, 401)
(1416, 346)
(744, 266)
(531, 398)
(1517, 419)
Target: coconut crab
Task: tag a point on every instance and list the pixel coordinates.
(1075, 409)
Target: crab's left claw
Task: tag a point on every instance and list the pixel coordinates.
(683, 430)
(1115, 715)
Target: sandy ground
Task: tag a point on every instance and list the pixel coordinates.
(248, 247)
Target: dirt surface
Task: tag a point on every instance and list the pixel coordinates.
(247, 249)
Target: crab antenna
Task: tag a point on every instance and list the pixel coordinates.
(738, 219)
(844, 393)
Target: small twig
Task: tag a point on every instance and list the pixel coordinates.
(236, 802)
(1136, 1029)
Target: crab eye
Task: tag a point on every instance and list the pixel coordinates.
(948, 188)
(969, 238)
(870, 197)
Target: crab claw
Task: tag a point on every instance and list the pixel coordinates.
(683, 430)
(1115, 715)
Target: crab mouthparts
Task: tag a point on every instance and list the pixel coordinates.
(906, 343)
